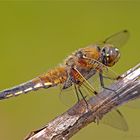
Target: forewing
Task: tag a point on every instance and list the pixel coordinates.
(68, 96)
(117, 39)
(116, 120)
(88, 87)
(109, 76)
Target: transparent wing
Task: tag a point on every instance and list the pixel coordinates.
(117, 39)
(72, 95)
(86, 87)
(116, 120)
(77, 92)
(108, 78)
(68, 96)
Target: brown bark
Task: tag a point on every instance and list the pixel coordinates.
(66, 125)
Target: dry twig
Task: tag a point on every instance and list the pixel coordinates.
(66, 125)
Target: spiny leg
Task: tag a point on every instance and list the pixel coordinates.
(102, 82)
(76, 91)
(84, 97)
(110, 78)
(83, 82)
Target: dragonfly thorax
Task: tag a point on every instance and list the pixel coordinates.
(81, 57)
(109, 55)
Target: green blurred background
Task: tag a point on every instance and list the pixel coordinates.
(37, 36)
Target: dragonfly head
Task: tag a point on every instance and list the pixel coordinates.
(109, 55)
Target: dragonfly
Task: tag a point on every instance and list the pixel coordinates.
(77, 69)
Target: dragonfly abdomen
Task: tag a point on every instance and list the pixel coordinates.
(15, 91)
(50, 79)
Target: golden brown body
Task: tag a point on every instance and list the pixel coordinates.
(77, 68)
(53, 77)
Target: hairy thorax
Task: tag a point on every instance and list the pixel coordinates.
(81, 60)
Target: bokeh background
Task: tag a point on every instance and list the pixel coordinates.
(37, 36)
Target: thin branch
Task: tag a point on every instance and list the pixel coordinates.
(66, 125)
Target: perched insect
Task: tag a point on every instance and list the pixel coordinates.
(77, 69)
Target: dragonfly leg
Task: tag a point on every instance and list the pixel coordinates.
(84, 97)
(102, 83)
(68, 83)
(110, 78)
(76, 91)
